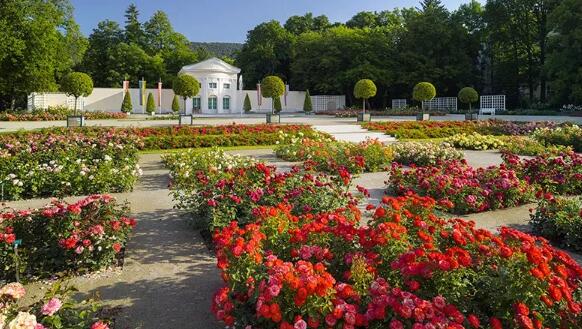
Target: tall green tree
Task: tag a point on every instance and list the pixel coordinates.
(564, 65)
(40, 43)
(98, 60)
(266, 51)
(301, 24)
(133, 28)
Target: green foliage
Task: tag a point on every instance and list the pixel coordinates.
(186, 86)
(277, 108)
(564, 60)
(77, 84)
(40, 43)
(175, 104)
(365, 89)
(126, 105)
(423, 91)
(300, 24)
(468, 95)
(247, 107)
(307, 106)
(151, 104)
(560, 221)
(272, 86)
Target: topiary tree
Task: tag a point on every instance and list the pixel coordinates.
(126, 106)
(77, 84)
(422, 92)
(272, 87)
(307, 106)
(150, 104)
(468, 95)
(175, 104)
(186, 86)
(247, 104)
(277, 105)
(365, 89)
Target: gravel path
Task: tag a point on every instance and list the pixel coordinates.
(169, 275)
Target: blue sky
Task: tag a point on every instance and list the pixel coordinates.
(229, 20)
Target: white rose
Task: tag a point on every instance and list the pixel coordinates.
(23, 320)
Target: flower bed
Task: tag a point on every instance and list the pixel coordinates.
(328, 155)
(557, 173)
(62, 162)
(407, 269)
(460, 188)
(389, 112)
(79, 237)
(475, 141)
(218, 188)
(565, 136)
(48, 116)
(525, 145)
(443, 129)
(424, 154)
(55, 311)
(559, 220)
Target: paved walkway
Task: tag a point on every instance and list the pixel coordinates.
(295, 118)
(169, 275)
(353, 133)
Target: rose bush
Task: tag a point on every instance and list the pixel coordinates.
(218, 188)
(84, 236)
(475, 141)
(58, 163)
(328, 155)
(461, 188)
(407, 269)
(565, 136)
(424, 154)
(55, 311)
(559, 173)
(525, 145)
(57, 113)
(559, 220)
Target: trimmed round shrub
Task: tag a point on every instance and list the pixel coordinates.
(365, 89)
(272, 87)
(77, 84)
(423, 91)
(468, 95)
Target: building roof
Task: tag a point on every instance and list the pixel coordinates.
(211, 65)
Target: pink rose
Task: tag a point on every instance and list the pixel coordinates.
(51, 307)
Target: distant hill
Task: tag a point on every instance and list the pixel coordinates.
(218, 49)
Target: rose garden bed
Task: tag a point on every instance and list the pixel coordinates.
(287, 264)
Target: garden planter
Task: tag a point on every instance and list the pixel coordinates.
(75, 121)
(186, 120)
(364, 117)
(423, 117)
(471, 116)
(273, 118)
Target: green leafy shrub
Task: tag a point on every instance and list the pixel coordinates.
(247, 107)
(272, 87)
(423, 91)
(525, 145)
(126, 105)
(185, 86)
(559, 220)
(77, 84)
(365, 89)
(307, 106)
(277, 107)
(175, 104)
(468, 95)
(150, 104)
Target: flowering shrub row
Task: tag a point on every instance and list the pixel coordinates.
(442, 129)
(557, 173)
(424, 154)
(475, 141)
(44, 115)
(566, 136)
(55, 311)
(328, 155)
(559, 220)
(409, 111)
(218, 188)
(461, 188)
(407, 268)
(525, 145)
(83, 236)
(66, 162)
